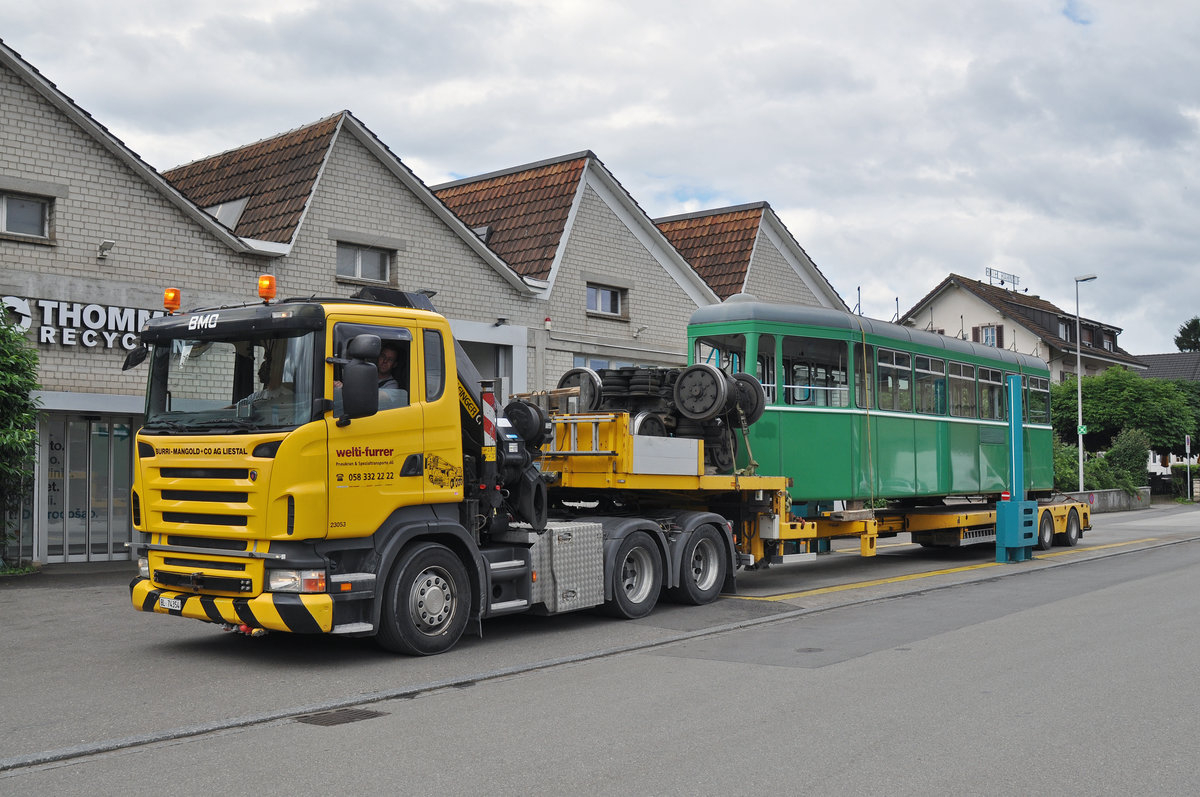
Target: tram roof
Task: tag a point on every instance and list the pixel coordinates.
(743, 307)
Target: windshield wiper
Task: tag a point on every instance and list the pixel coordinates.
(167, 426)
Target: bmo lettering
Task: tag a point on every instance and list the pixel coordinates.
(203, 321)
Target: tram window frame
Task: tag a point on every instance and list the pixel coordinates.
(1039, 411)
(992, 395)
(766, 375)
(929, 384)
(863, 355)
(963, 402)
(898, 365)
(815, 372)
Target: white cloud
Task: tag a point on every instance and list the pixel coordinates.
(898, 142)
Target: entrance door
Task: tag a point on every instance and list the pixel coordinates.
(87, 462)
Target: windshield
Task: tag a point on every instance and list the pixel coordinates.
(246, 384)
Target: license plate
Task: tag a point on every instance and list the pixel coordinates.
(171, 604)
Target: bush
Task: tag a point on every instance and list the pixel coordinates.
(1129, 454)
(18, 423)
(1122, 467)
(1179, 475)
(1066, 467)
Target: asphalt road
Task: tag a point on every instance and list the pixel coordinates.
(913, 672)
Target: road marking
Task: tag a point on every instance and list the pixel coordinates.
(914, 576)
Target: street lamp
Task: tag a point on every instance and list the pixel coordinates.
(1079, 376)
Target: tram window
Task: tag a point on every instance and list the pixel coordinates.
(726, 352)
(863, 354)
(992, 404)
(962, 390)
(815, 372)
(931, 385)
(766, 375)
(894, 380)
(1038, 400)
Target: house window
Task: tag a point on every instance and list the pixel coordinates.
(24, 215)
(989, 335)
(363, 262)
(606, 300)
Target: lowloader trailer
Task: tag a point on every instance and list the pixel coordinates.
(323, 498)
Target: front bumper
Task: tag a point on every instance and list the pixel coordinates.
(274, 611)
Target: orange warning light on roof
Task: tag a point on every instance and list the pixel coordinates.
(171, 299)
(266, 287)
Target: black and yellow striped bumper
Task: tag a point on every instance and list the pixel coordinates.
(274, 611)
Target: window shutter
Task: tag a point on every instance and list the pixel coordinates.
(999, 336)
(975, 334)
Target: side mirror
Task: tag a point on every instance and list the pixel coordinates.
(360, 379)
(135, 357)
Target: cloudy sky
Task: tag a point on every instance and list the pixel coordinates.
(899, 141)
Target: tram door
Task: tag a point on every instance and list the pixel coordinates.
(87, 467)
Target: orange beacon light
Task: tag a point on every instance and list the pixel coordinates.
(171, 300)
(266, 287)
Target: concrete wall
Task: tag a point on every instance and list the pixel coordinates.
(1114, 500)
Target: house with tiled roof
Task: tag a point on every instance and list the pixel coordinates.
(1003, 317)
(615, 291)
(90, 235)
(345, 215)
(747, 249)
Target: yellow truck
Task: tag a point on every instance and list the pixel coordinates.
(284, 482)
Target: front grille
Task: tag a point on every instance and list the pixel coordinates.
(205, 495)
(195, 518)
(194, 582)
(175, 561)
(206, 473)
(206, 542)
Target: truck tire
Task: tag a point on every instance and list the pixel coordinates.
(636, 578)
(1045, 539)
(426, 602)
(702, 569)
(1071, 536)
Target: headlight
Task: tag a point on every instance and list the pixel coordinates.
(143, 567)
(296, 580)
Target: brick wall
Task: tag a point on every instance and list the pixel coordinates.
(772, 279)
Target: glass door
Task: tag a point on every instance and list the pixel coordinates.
(87, 461)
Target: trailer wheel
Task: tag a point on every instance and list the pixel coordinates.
(1045, 540)
(637, 578)
(1071, 536)
(425, 603)
(702, 571)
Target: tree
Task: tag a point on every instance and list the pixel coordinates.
(18, 422)
(1188, 338)
(1117, 400)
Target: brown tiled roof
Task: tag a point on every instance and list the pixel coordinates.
(718, 243)
(524, 209)
(1033, 312)
(276, 176)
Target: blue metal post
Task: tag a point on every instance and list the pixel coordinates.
(1016, 519)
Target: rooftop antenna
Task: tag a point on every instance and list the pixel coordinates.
(858, 307)
(998, 277)
(896, 317)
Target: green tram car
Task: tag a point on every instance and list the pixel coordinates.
(863, 410)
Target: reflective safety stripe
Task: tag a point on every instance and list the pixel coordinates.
(275, 611)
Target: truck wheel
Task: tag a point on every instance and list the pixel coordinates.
(1071, 535)
(1045, 538)
(637, 578)
(702, 571)
(425, 603)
